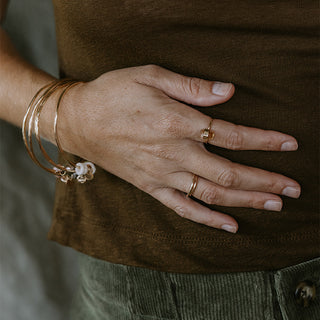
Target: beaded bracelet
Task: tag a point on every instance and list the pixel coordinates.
(81, 171)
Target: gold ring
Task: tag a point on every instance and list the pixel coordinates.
(193, 185)
(207, 134)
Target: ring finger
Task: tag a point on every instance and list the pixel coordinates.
(214, 194)
(237, 176)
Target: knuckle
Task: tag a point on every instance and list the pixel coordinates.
(172, 125)
(148, 188)
(192, 86)
(146, 181)
(152, 70)
(254, 203)
(212, 221)
(210, 196)
(270, 142)
(165, 152)
(144, 186)
(228, 178)
(234, 140)
(181, 211)
(155, 172)
(274, 184)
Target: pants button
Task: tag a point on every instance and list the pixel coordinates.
(305, 293)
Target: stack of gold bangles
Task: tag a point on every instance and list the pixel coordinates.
(81, 171)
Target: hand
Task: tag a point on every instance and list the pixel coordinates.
(130, 123)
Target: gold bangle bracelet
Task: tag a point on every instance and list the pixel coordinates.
(55, 125)
(27, 127)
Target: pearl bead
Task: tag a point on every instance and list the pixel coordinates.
(64, 179)
(81, 169)
(81, 179)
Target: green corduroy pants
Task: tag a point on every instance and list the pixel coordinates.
(110, 291)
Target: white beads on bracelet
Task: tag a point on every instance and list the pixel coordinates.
(82, 172)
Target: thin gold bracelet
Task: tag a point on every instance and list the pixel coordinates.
(65, 83)
(55, 125)
(27, 125)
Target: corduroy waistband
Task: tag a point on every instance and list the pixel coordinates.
(111, 291)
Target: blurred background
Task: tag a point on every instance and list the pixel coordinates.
(37, 277)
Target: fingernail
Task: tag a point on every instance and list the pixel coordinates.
(292, 192)
(229, 228)
(221, 88)
(273, 205)
(289, 146)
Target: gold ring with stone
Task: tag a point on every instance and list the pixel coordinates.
(193, 185)
(207, 134)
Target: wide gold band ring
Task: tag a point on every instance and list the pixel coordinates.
(207, 134)
(193, 185)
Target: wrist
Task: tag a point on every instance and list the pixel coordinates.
(70, 120)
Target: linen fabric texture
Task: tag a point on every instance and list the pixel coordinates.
(269, 51)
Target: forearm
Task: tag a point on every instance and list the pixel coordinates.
(19, 81)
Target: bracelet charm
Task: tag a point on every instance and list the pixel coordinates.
(70, 174)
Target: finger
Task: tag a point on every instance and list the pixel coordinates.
(191, 90)
(212, 193)
(191, 123)
(189, 209)
(237, 176)
(236, 137)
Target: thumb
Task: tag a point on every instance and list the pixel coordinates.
(191, 90)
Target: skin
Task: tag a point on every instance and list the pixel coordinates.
(135, 123)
